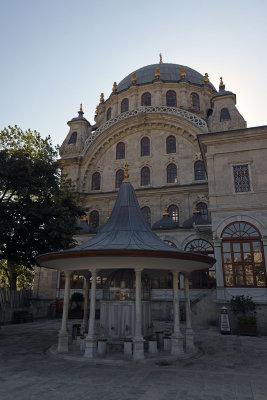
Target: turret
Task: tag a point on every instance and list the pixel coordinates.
(225, 116)
(78, 133)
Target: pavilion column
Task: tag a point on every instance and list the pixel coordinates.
(177, 337)
(189, 333)
(63, 337)
(86, 307)
(138, 351)
(90, 343)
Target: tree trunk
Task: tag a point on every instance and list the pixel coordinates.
(12, 275)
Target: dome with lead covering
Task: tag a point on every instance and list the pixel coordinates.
(168, 73)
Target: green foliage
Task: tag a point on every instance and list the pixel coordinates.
(242, 304)
(247, 320)
(38, 208)
(77, 296)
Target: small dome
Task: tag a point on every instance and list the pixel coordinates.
(222, 92)
(168, 73)
(165, 222)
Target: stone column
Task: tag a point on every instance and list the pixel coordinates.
(138, 351)
(189, 333)
(86, 307)
(177, 337)
(63, 337)
(264, 242)
(90, 342)
(219, 270)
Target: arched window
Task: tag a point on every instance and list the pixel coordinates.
(94, 219)
(73, 138)
(173, 210)
(146, 99)
(203, 279)
(120, 151)
(124, 105)
(171, 173)
(243, 256)
(145, 176)
(171, 98)
(96, 181)
(195, 101)
(170, 144)
(225, 116)
(145, 146)
(203, 209)
(146, 214)
(109, 113)
(199, 170)
(119, 178)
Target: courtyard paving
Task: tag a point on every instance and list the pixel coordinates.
(230, 367)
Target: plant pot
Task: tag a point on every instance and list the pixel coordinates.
(245, 329)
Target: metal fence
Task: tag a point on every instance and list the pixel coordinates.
(15, 299)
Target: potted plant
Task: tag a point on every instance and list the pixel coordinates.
(244, 308)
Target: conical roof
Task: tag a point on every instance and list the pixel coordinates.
(126, 227)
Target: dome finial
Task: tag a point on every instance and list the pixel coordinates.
(157, 73)
(206, 80)
(114, 89)
(196, 210)
(133, 78)
(80, 112)
(126, 175)
(166, 212)
(222, 85)
(81, 107)
(102, 98)
(96, 110)
(183, 73)
(160, 58)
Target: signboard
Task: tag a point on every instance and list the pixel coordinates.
(225, 325)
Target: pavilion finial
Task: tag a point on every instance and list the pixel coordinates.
(183, 73)
(133, 78)
(157, 73)
(206, 80)
(166, 212)
(160, 58)
(196, 210)
(81, 107)
(126, 175)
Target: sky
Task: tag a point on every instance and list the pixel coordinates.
(56, 54)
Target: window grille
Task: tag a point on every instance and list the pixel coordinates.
(145, 176)
(96, 181)
(171, 98)
(241, 178)
(171, 173)
(145, 146)
(170, 144)
(120, 151)
(146, 99)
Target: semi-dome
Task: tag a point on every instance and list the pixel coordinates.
(168, 73)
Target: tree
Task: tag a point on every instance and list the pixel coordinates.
(38, 207)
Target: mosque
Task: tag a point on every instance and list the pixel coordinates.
(199, 175)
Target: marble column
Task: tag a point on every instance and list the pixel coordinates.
(86, 307)
(264, 242)
(177, 337)
(189, 333)
(63, 337)
(138, 342)
(219, 270)
(90, 342)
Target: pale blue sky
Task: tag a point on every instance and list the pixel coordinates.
(57, 54)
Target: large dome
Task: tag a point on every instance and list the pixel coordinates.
(168, 73)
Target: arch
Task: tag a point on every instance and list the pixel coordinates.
(119, 178)
(146, 214)
(145, 146)
(145, 176)
(199, 170)
(224, 115)
(125, 105)
(94, 219)
(195, 101)
(199, 246)
(243, 255)
(109, 114)
(73, 138)
(120, 151)
(171, 173)
(96, 180)
(146, 99)
(170, 243)
(170, 144)
(173, 210)
(171, 98)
